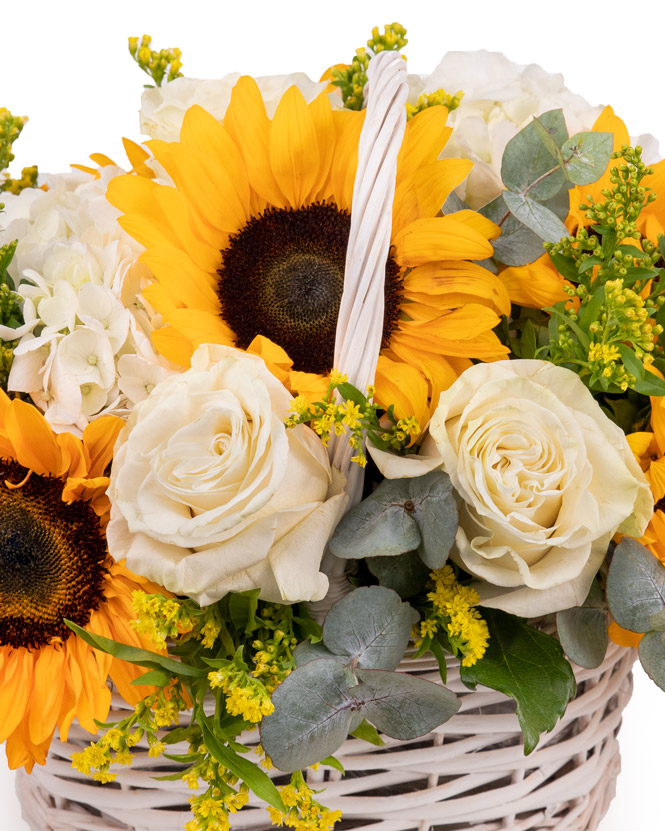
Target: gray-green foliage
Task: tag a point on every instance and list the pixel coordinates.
(538, 167)
(636, 597)
(582, 630)
(346, 684)
(401, 515)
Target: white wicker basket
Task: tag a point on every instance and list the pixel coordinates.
(470, 773)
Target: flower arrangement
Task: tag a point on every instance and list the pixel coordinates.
(198, 442)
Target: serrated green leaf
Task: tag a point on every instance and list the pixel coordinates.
(369, 628)
(635, 585)
(403, 706)
(587, 156)
(583, 635)
(250, 773)
(526, 159)
(368, 733)
(535, 216)
(313, 714)
(652, 657)
(530, 667)
(141, 657)
(405, 574)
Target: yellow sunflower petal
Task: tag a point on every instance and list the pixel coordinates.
(34, 443)
(181, 278)
(424, 138)
(623, 637)
(321, 112)
(451, 284)
(173, 345)
(423, 194)
(294, 150)
(201, 327)
(536, 285)
(441, 238)
(98, 439)
(348, 125)
(402, 385)
(138, 156)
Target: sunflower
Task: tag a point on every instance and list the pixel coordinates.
(248, 245)
(54, 565)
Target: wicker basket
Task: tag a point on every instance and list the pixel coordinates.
(470, 773)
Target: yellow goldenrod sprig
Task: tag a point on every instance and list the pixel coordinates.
(158, 65)
(155, 711)
(352, 80)
(10, 313)
(452, 612)
(10, 129)
(354, 413)
(303, 812)
(246, 696)
(434, 99)
(159, 618)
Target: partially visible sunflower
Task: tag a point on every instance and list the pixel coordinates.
(54, 565)
(248, 245)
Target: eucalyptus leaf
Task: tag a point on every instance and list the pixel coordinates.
(307, 651)
(583, 635)
(453, 204)
(378, 526)
(405, 574)
(652, 657)
(516, 245)
(587, 156)
(403, 706)
(142, 657)
(635, 585)
(539, 219)
(312, 716)
(369, 628)
(530, 667)
(657, 621)
(435, 512)
(527, 159)
(251, 774)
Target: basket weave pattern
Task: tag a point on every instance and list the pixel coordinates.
(469, 773)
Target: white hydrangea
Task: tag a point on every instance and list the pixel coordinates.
(163, 108)
(78, 274)
(500, 97)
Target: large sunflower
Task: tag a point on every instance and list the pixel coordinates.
(54, 565)
(248, 245)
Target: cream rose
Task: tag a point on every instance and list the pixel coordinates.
(545, 480)
(211, 493)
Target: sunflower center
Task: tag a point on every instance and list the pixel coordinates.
(282, 276)
(51, 560)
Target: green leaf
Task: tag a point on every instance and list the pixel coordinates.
(589, 263)
(173, 777)
(405, 574)
(657, 621)
(403, 706)
(650, 385)
(528, 341)
(631, 361)
(312, 717)
(527, 158)
(332, 762)
(242, 609)
(369, 628)
(250, 773)
(652, 657)
(154, 678)
(378, 526)
(435, 512)
(530, 667)
(547, 139)
(539, 219)
(632, 251)
(587, 156)
(350, 393)
(583, 635)
(307, 651)
(565, 266)
(635, 585)
(142, 657)
(180, 734)
(368, 733)
(517, 245)
(590, 310)
(582, 337)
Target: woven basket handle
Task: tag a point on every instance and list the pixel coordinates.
(360, 320)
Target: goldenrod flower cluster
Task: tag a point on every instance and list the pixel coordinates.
(166, 62)
(434, 99)
(453, 612)
(273, 658)
(246, 696)
(355, 415)
(352, 80)
(10, 129)
(161, 709)
(211, 809)
(303, 813)
(159, 618)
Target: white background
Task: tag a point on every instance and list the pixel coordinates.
(66, 65)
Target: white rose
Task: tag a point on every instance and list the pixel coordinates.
(211, 493)
(163, 108)
(545, 480)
